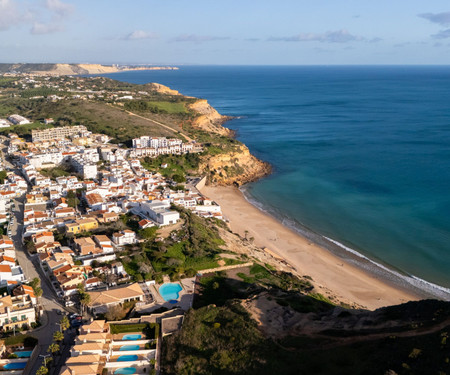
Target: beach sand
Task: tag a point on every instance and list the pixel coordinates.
(331, 274)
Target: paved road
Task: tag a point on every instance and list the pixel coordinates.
(31, 269)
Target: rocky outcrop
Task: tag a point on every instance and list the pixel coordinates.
(208, 119)
(163, 89)
(236, 167)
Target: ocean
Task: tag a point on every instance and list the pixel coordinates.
(360, 154)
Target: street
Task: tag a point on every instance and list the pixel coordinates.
(31, 269)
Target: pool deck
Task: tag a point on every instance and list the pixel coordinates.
(120, 336)
(185, 299)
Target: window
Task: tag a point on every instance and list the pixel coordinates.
(24, 317)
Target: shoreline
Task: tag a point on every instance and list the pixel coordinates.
(333, 274)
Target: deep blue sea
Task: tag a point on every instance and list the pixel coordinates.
(360, 154)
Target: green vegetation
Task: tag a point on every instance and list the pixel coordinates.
(55, 172)
(25, 340)
(215, 340)
(151, 330)
(157, 107)
(23, 130)
(177, 165)
(194, 247)
(3, 177)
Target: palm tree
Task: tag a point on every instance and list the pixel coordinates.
(53, 348)
(38, 293)
(64, 323)
(58, 336)
(85, 298)
(42, 371)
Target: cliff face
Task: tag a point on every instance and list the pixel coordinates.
(163, 89)
(237, 167)
(209, 119)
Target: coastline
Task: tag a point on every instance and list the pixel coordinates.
(332, 275)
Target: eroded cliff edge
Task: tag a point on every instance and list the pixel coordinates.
(233, 165)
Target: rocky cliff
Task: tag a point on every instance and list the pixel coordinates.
(208, 118)
(236, 167)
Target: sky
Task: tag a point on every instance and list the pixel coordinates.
(232, 32)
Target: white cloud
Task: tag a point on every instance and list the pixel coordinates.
(140, 34)
(59, 8)
(9, 14)
(339, 36)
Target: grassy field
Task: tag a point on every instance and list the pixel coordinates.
(170, 107)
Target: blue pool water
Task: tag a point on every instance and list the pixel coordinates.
(170, 291)
(126, 358)
(125, 371)
(15, 366)
(129, 347)
(132, 337)
(24, 354)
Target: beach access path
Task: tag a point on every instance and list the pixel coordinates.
(331, 274)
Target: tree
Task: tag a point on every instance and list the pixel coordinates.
(3, 176)
(85, 298)
(35, 282)
(42, 371)
(64, 323)
(58, 336)
(115, 313)
(72, 199)
(178, 178)
(38, 292)
(53, 348)
(80, 288)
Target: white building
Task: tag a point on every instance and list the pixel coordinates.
(16, 311)
(18, 120)
(124, 237)
(159, 212)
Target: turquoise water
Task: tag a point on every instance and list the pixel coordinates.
(125, 371)
(23, 354)
(132, 337)
(15, 366)
(170, 291)
(129, 347)
(127, 358)
(360, 154)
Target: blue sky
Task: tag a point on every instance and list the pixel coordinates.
(226, 32)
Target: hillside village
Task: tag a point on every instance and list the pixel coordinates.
(77, 195)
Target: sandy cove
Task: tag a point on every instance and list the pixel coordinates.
(330, 274)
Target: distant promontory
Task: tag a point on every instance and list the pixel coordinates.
(73, 69)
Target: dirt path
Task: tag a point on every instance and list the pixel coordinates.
(161, 124)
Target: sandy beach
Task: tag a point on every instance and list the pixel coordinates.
(330, 274)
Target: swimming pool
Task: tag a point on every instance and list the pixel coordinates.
(132, 337)
(24, 354)
(125, 371)
(15, 366)
(127, 358)
(170, 291)
(129, 347)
